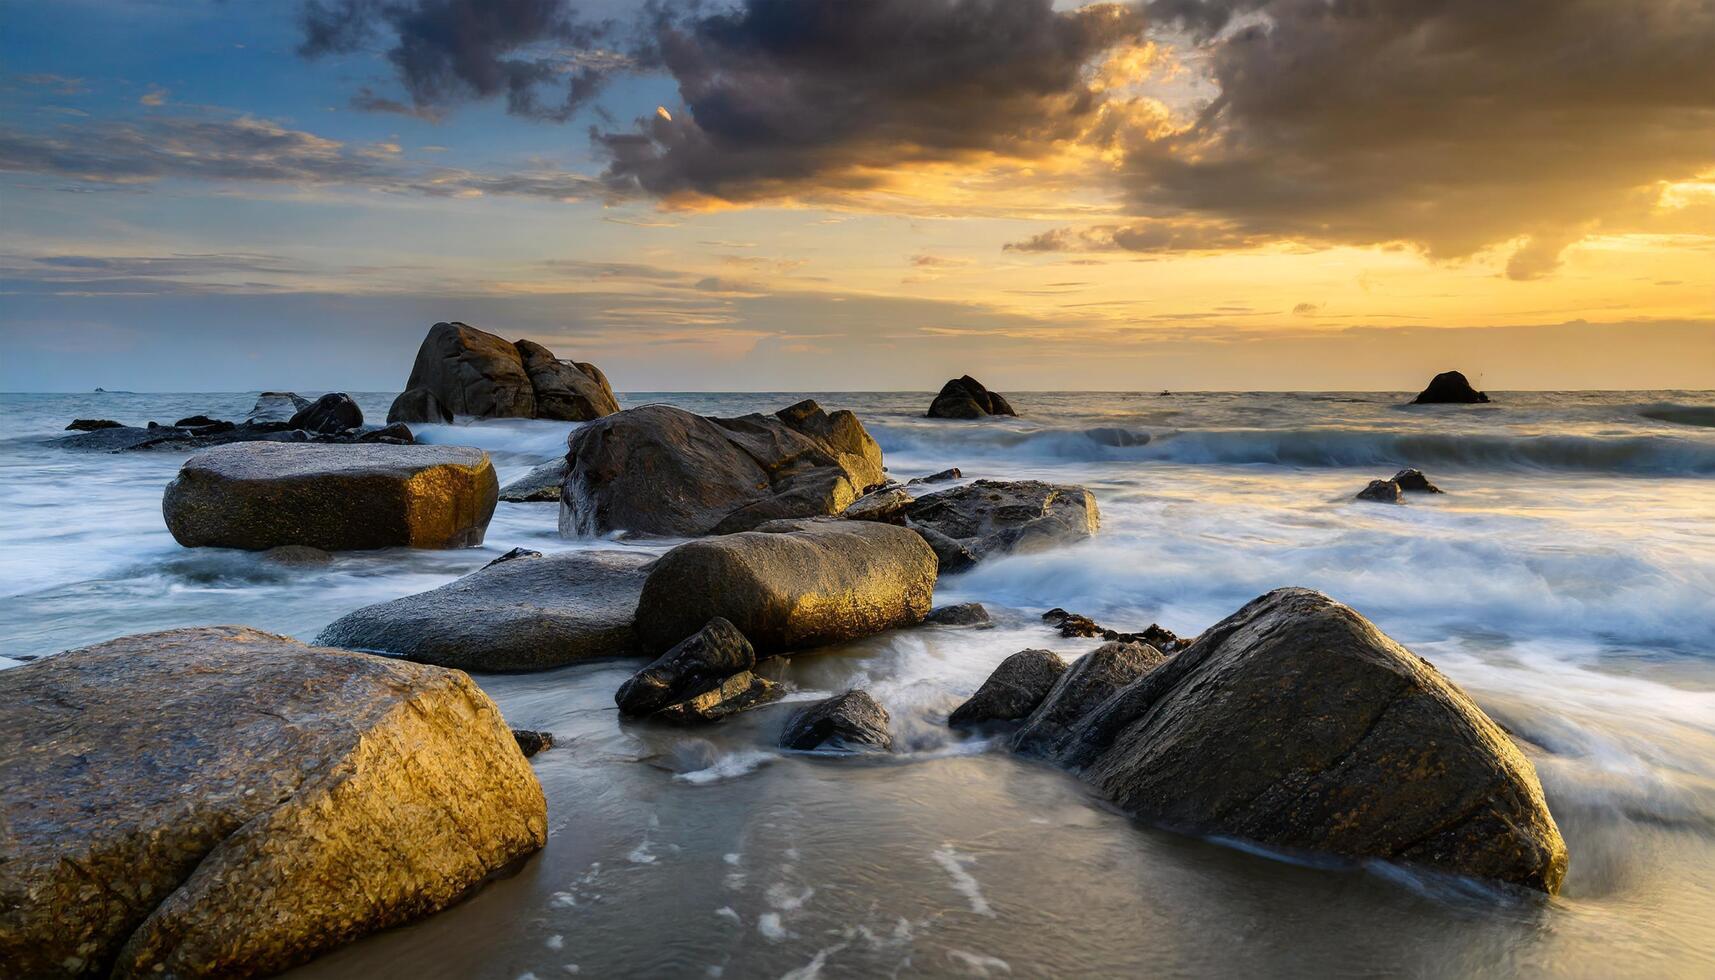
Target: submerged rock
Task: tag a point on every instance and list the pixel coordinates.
(1295, 723)
(515, 615)
(1381, 492)
(93, 425)
(852, 721)
(966, 398)
(272, 802)
(1013, 691)
(331, 413)
(994, 517)
(963, 614)
(790, 584)
(1413, 481)
(419, 405)
(472, 372)
(1449, 387)
(697, 664)
(544, 483)
(1091, 679)
(1074, 625)
(662, 470)
(336, 498)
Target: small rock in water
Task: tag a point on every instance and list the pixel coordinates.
(740, 692)
(545, 483)
(699, 663)
(90, 425)
(514, 555)
(419, 405)
(1413, 481)
(966, 398)
(331, 413)
(942, 477)
(1450, 387)
(531, 742)
(963, 614)
(1382, 492)
(1074, 625)
(196, 422)
(1013, 691)
(1001, 517)
(394, 433)
(851, 722)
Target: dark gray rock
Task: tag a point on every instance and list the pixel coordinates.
(963, 614)
(197, 422)
(1074, 625)
(519, 615)
(297, 555)
(419, 406)
(1382, 492)
(852, 721)
(1013, 691)
(945, 476)
(544, 483)
(791, 585)
(1297, 724)
(1091, 679)
(531, 742)
(662, 470)
(966, 398)
(950, 556)
(392, 434)
(475, 373)
(1450, 388)
(277, 406)
(993, 517)
(514, 555)
(337, 498)
(331, 413)
(566, 390)
(740, 692)
(1413, 481)
(93, 425)
(886, 505)
(697, 664)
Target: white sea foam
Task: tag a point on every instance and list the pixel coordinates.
(963, 881)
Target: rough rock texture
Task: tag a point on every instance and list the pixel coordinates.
(1449, 387)
(223, 802)
(663, 470)
(473, 372)
(173, 438)
(1381, 492)
(852, 721)
(526, 613)
(392, 434)
(338, 498)
(950, 555)
(887, 505)
(419, 405)
(1074, 625)
(544, 483)
(93, 425)
(963, 614)
(531, 742)
(995, 517)
(791, 584)
(1413, 481)
(1091, 679)
(698, 663)
(944, 476)
(1013, 691)
(1297, 724)
(740, 692)
(332, 412)
(966, 398)
(277, 406)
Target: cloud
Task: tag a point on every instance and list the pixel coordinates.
(538, 54)
(1142, 235)
(1307, 309)
(367, 100)
(156, 96)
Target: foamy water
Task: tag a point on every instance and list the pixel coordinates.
(1567, 580)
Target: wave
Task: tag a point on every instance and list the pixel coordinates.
(1698, 415)
(1310, 447)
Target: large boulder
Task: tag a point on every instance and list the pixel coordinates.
(1092, 679)
(1013, 691)
(662, 470)
(1449, 388)
(262, 495)
(473, 372)
(529, 612)
(544, 483)
(698, 663)
(790, 584)
(224, 802)
(276, 406)
(996, 517)
(420, 406)
(850, 722)
(1297, 724)
(332, 412)
(966, 398)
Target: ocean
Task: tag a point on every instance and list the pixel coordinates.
(1566, 580)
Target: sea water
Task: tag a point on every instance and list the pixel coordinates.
(1566, 580)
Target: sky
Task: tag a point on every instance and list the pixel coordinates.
(839, 195)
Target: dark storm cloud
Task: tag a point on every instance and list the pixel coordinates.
(1450, 124)
(785, 95)
(538, 54)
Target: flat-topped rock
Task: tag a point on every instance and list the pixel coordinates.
(224, 802)
(529, 612)
(790, 584)
(662, 470)
(999, 517)
(338, 498)
(544, 483)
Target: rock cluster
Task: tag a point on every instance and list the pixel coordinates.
(1393, 491)
(1074, 625)
(705, 678)
(461, 370)
(279, 416)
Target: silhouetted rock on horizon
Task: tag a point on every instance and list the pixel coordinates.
(966, 524)
(662, 470)
(225, 802)
(1295, 723)
(419, 405)
(1449, 388)
(850, 722)
(262, 495)
(474, 373)
(966, 398)
(521, 612)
